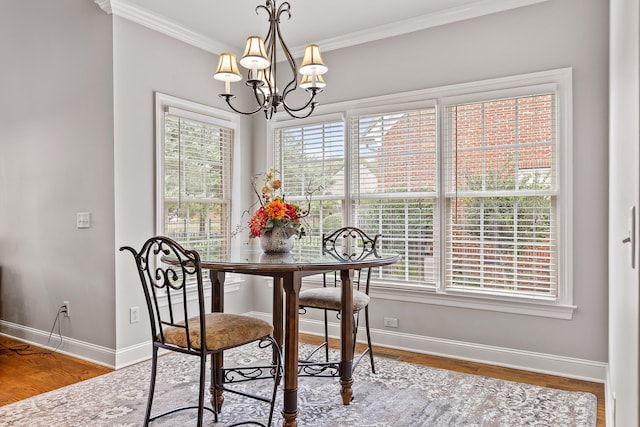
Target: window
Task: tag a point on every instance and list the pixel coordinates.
(501, 195)
(470, 183)
(393, 187)
(311, 159)
(194, 164)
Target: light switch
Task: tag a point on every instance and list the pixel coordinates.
(83, 220)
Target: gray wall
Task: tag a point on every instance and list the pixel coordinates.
(77, 120)
(549, 35)
(146, 61)
(56, 159)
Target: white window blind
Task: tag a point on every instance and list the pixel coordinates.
(501, 196)
(394, 181)
(197, 182)
(311, 158)
(471, 184)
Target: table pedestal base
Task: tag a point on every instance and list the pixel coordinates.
(346, 392)
(216, 395)
(290, 420)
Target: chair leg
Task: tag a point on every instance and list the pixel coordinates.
(277, 376)
(152, 385)
(214, 388)
(366, 322)
(201, 387)
(326, 336)
(356, 322)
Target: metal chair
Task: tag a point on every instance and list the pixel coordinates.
(183, 326)
(349, 244)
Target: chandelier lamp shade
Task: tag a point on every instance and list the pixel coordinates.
(260, 60)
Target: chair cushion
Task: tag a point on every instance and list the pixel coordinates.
(224, 330)
(329, 298)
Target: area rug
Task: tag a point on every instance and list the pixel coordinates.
(399, 394)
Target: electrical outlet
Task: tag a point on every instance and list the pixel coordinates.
(391, 322)
(66, 309)
(134, 314)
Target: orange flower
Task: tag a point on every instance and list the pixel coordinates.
(276, 209)
(273, 211)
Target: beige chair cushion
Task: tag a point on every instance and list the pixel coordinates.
(224, 330)
(329, 298)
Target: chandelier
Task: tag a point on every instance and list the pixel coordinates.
(262, 70)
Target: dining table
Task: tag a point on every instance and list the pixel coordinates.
(287, 271)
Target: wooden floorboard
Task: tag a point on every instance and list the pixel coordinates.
(27, 370)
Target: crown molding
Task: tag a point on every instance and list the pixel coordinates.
(104, 5)
(423, 22)
(126, 10)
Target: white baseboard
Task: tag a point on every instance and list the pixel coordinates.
(518, 359)
(133, 354)
(526, 360)
(114, 359)
(82, 350)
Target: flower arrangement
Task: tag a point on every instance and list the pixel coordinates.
(274, 211)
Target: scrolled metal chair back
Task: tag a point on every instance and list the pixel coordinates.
(349, 244)
(169, 281)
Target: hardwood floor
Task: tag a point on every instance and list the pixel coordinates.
(27, 370)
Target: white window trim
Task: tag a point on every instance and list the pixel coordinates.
(196, 111)
(203, 113)
(427, 295)
(559, 80)
(564, 150)
(230, 286)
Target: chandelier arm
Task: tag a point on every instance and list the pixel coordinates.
(309, 102)
(293, 84)
(261, 6)
(269, 42)
(291, 112)
(292, 64)
(267, 103)
(285, 6)
(228, 100)
(264, 102)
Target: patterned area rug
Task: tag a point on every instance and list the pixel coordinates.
(400, 394)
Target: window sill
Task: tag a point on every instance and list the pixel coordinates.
(423, 295)
(231, 285)
(476, 302)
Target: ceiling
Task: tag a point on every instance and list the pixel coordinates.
(223, 25)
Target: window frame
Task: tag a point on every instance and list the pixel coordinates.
(203, 113)
(301, 199)
(560, 81)
(492, 96)
(354, 198)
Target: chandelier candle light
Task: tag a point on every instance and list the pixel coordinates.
(262, 73)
